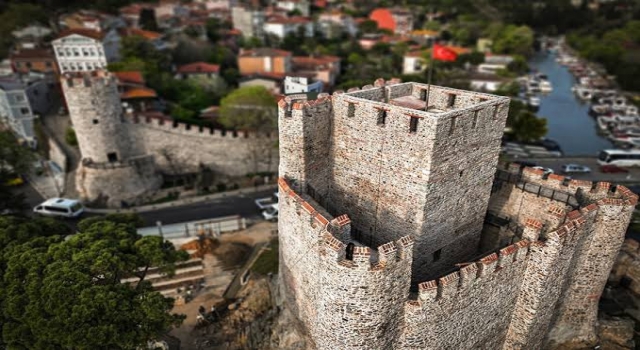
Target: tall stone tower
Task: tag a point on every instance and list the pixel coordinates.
(113, 168)
(384, 205)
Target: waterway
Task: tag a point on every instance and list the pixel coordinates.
(567, 117)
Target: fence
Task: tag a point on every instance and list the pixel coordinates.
(211, 227)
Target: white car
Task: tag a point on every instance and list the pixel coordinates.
(271, 213)
(264, 203)
(545, 170)
(575, 168)
(67, 208)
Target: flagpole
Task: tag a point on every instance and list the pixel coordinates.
(426, 105)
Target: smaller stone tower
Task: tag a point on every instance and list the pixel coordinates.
(113, 169)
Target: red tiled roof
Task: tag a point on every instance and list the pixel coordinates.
(141, 92)
(271, 75)
(290, 20)
(94, 34)
(147, 34)
(132, 77)
(32, 54)
(198, 67)
(264, 51)
(383, 18)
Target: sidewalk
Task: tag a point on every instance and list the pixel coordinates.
(181, 202)
(45, 184)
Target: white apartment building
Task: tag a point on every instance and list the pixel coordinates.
(290, 5)
(294, 85)
(414, 63)
(86, 50)
(20, 98)
(281, 26)
(249, 21)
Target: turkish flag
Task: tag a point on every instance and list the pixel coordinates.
(444, 53)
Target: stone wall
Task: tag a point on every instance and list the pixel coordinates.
(57, 155)
(181, 148)
(113, 183)
(627, 265)
(394, 183)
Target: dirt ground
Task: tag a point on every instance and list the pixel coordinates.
(231, 252)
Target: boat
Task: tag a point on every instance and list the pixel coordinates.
(534, 102)
(584, 93)
(545, 86)
(599, 109)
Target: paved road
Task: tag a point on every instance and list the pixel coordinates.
(632, 177)
(242, 205)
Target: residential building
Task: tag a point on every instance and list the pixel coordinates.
(424, 36)
(397, 20)
(325, 69)
(85, 49)
(134, 94)
(92, 20)
(31, 37)
(301, 6)
(34, 60)
(301, 84)
(270, 81)
(155, 38)
(249, 21)
(414, 62)
(333, 24)
(218, 4)
(203, 74)
(264, 60)
(21, 98)
(283, 26)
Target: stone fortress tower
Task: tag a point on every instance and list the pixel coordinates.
(396, 232)
(125, 153)
(112, 168)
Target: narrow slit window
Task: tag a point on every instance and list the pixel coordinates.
(452, 127)
(413, 124)
(351, 110)
(495, 112)
(382, 116)
(423, 95)
(475, 119)
(436, 255)
(451, 102)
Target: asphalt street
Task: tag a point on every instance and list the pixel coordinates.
(242, 205)
(630, 177)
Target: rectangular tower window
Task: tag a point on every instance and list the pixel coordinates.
(382, 116)
(423, 94)
(413, 124)
(495, 112)
(112, 157)
(351, 110)
(436, 255)
(452, 127)
(451, 101)
(475, 118)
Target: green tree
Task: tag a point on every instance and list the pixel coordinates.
(14, 160)
(213, 27)
(514, 40)
(67, 294)
(147, 19)
(368, 26)
(253, 108)
(527, 127)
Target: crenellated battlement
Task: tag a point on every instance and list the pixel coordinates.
(168, 125)
(334, 235)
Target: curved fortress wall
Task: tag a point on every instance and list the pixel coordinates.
(539, 289)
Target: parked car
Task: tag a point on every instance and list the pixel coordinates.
(575, 168)
(266, 202)
(63, 207)
(546, 170)
(613, 169)
(271, 213)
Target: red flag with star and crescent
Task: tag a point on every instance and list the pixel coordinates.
(443, 53)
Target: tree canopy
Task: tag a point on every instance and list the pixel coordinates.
(14, 160)
(57, 293)
(249, 108)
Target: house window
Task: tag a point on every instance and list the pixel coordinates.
(20, 98)
(28, 64)
(382, 116)
(24, 111)
(60, 53)
(413, 124)
(95, 121)
(436, 255)
(112, 157)
(48, 64)
(423, 94)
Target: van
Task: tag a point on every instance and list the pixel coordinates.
(271, 213)
(68, 208)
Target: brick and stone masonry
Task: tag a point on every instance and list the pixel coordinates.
(382, 217)
(124, 153)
